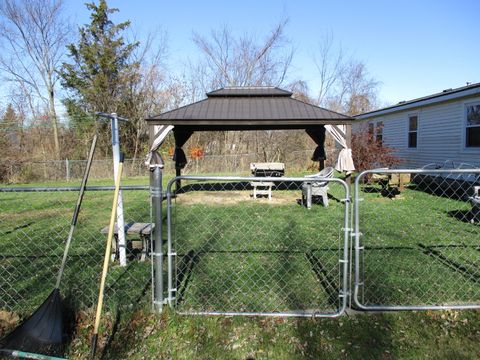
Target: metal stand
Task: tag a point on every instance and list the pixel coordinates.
(156, 196)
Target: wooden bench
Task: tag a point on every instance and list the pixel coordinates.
(144, 230)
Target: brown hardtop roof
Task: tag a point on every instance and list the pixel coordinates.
(249, 91)
(252, 107)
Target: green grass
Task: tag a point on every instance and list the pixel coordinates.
(34, 227)
(419, 249)
(411, 335)
(236, 254)
(257, 257)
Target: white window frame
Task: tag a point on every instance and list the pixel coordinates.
(408, 130)
(465, 126)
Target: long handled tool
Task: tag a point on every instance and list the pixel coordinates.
(43, 331)
(106, 259)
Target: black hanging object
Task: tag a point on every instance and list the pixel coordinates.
(319, 153)
(318, 135)
(180, 158)
(42, 333)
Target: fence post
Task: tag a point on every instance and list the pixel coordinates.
(156, 194)
(67, 168)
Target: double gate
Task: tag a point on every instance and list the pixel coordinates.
(409, 246)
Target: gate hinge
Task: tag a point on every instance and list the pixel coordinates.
(172, 254)
(343, 261)
(355, 234)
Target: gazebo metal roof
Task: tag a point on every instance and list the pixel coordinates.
(249, 108)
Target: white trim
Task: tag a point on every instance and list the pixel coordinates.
(464, 127)
(421, 103)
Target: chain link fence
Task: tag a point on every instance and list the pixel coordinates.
(34, 226)
(68, 170)
(231, 253)
(416, 232)
(417, 239)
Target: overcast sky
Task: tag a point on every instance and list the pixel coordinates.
(414, 48)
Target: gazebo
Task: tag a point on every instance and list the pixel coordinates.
(252, 108)
(238, 109)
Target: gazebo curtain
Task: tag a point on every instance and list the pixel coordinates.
(181, 137)
(153, 158)
(318, 135)
(345, 159)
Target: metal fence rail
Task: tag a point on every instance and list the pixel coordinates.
(419, 247)
(34, 224)
(231, 254)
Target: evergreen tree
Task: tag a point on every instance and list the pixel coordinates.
(101, 68)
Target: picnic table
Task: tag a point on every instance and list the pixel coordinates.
(260, 170)
(143, 230)
(392, 183)
(262, 188)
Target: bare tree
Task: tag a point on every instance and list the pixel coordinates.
(344, 83)
(330, 64)
(243, 61)
(33, 36)
(246, 60)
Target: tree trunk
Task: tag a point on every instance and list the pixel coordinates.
(53, 119)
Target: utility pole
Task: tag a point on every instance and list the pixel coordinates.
(122, 243)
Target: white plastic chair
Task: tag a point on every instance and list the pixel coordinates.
(317, 187)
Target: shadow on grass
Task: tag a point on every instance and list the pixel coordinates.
(185, 271)
(117, 330)
(470, 272)
(442, 187)
(323, 275)
(467, 216)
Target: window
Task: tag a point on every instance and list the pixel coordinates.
(412, 131)
(472, 126)
(379, 134)
(371, 129)
(375, 132)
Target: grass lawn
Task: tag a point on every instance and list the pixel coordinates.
(402, 335)
(236, 254)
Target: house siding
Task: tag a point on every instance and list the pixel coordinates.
(440, 134)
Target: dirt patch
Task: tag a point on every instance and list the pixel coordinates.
(236, 197)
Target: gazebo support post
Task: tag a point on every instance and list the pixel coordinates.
(178, 183)
(321, 164)
(348, 138)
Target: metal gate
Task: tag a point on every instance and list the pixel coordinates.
(417, 246)
(232, 254)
